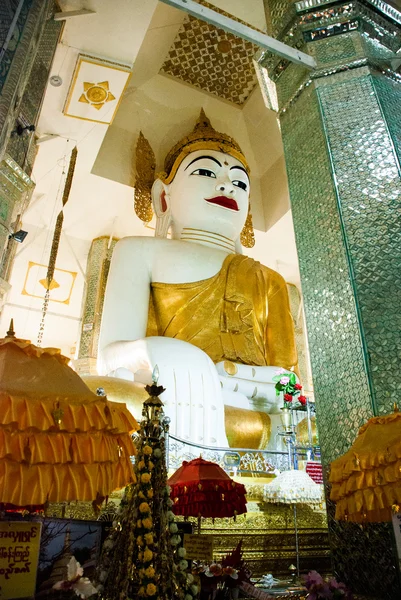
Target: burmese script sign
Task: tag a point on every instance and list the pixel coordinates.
(19, 553)
(198, 547)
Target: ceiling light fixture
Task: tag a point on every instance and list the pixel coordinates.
(18, 236)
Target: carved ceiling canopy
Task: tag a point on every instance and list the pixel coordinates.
(211, 59)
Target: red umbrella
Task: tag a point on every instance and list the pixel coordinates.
(201, 488)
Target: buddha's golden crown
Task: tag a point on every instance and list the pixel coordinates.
(203, 136)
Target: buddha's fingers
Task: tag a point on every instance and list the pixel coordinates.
(263, 374)
(250, 389)
(193, 398)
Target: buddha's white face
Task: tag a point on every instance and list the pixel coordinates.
(210, 191)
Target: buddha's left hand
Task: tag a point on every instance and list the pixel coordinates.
(254, 383)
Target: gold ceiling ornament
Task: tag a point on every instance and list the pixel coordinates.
(203, 136)
(247, 236)
(96, 94)
(49, 286)
(145, 174)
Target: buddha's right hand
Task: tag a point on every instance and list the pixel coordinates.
(193, 398)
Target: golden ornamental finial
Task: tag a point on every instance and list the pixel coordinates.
(395, 407)
(11, 332)
(203, 121)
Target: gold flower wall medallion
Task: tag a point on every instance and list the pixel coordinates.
(96, 94)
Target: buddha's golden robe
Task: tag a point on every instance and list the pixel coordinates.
(241, 314)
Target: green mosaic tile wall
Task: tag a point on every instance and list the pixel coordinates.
(7, 15)
(281, 13)
(342, 134)
(23, 149)
(333, 330)
(340, 372)
(15, 191)
(369, 191)
(388, 93)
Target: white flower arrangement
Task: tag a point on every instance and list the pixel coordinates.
(75, 581)
(175, 540)
(183, 565)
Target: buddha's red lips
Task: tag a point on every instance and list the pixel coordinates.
(223, 201)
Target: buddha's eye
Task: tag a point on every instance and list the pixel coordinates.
(204, 173)
(240, 184)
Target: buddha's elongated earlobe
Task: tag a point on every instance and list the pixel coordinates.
(145, 164)
(161, 205)
(247, 236)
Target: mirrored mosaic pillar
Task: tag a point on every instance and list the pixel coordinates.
(16, 189)
(341, 127)
(97, 270)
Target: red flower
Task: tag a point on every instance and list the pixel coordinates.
(288, 397)
(302, 400)
(215, 570)
(298, 386)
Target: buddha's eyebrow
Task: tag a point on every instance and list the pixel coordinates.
(202, 157)
(242, 169)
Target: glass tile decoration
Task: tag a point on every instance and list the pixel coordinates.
(96, 277)
(331, 51)
(280, 14)
(341, 127)
(15, 191)
(23, 149)
(369, 191)
(333, 330)
(297, 312)
(10, 33)
(388, 93)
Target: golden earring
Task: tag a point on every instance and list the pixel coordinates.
(247, 236)
(145, 164)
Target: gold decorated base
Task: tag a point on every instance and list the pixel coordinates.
(268, 539)
(119, 390)
(267, 533)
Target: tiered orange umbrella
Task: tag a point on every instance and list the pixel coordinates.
(366, 480)
(58, 440)
(201, 488)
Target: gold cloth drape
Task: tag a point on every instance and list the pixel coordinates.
(58, 440)
(241, 314)
(366, 480)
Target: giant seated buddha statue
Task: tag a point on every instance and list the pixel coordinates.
(216, 322)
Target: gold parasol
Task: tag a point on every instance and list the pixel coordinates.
(59, 442)
(366, 480)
